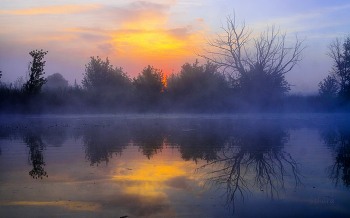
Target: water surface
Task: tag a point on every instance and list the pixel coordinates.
(267, 165)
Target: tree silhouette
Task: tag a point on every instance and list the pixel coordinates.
(56, 80)
(149, 140)
(35, 72)
(149, 85)
(328, 88)
(102, 142)
(338, 139)
(199, 139)
(340, 53)
(256, 66)
(197, 86)
(252, 159)
(150, 80)
(36, 147)
(328, 91)
(101, 77)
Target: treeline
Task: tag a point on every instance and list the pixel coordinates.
(195, 89)
(243, 73)
(230, 81)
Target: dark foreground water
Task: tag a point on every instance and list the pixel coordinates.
(295, 165)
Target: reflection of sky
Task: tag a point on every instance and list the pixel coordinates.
(162, 186)
(165, 34)
(131, 183)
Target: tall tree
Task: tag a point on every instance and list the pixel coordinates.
(339, 51)
(256, 66)
(35, 72)
(149, 85)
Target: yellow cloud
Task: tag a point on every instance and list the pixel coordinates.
(151, 43)
(148, 20)
(58, 9)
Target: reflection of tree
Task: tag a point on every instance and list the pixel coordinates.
(101, 143)
(199, 141)
(150, 138)
(253, 157)
(338, 138)
(55, 137)
(36, 147)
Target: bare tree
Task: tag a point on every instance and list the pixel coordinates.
(253, 159)
(254, 62)
(339, 51)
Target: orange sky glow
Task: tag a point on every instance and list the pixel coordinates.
(164, 34)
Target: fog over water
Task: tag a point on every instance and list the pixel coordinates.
(178, 165)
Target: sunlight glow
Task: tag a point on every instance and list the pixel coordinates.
(154, 43)
(58, 9)
(151, 179)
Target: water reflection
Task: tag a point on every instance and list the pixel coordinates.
(149, 137)
(101, 142)
(157, 167)
(253, 157)
(337, 137)
(200, 140)
(36, 157)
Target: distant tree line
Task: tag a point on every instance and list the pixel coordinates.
(242, 74)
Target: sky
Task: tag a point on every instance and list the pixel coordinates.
(162, 33)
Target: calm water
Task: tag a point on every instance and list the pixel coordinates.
(175, 166)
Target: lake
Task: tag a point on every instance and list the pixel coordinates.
(243, 165)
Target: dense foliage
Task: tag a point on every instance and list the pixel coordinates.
(101, 77)
(198, 86)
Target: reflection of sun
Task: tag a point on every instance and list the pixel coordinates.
(157, 173)
(149, 179)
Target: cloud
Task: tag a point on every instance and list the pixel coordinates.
(126, 32)
(93, 37)
(109, 48)
(181, 33)
(142, 5)
(58, 9)
(155, 43)
(201, 22)
(307, 21)
(139, 14)
(135, 29)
